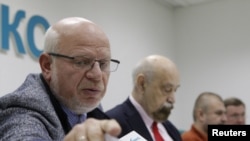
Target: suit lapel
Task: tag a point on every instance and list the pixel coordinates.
(98, 114)
(172, 132)
(135, 120)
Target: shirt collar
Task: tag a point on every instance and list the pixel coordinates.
(73, 118)
(146, 119)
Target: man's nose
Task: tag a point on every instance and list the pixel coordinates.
(95, 71)
(171, 98)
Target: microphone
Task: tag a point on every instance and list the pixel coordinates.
(131, 136)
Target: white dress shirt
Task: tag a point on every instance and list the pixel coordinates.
(149, 121)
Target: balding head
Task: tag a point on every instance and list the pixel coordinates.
(204, 101)
(73, 29)
(156, 80)
(153, 64)
(208, 109)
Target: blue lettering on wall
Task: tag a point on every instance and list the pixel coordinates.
(8, 28)
(33, 22)
(11, 28)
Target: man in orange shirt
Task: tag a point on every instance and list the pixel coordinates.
(209, 109)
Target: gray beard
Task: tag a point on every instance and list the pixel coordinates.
(163, 113)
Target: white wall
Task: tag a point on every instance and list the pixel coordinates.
(212, 51)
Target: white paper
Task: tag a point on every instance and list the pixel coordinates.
(110, 138)
(132, 136)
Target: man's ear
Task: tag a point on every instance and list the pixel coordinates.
(140, 82)
(201, 114)
(45, 65)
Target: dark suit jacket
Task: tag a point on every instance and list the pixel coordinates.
(129, 119)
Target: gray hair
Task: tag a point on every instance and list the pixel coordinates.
(51, 40)
(143, 67)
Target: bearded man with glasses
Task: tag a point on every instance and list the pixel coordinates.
(62, 102)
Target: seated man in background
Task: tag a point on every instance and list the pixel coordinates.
(235, 111)
(53, 105)
(146, 111)
(208, 109)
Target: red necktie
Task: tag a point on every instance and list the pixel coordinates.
(157, 135)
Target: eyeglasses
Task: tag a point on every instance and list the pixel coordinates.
(82, 62)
